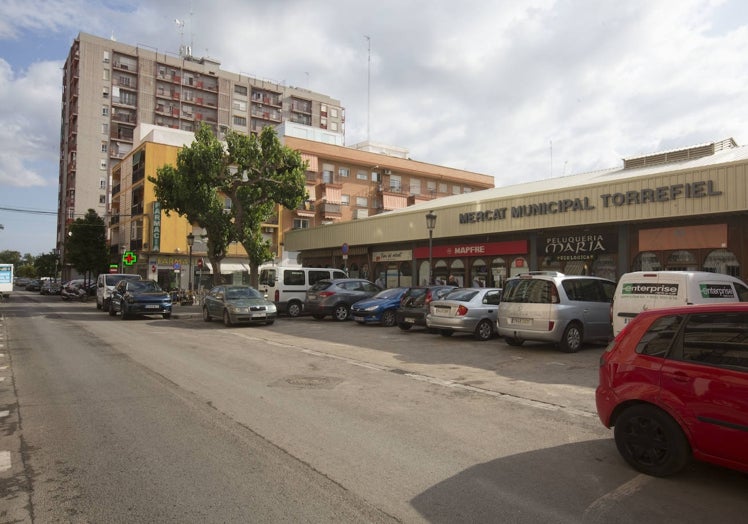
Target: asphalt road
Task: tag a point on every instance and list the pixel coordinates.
(154, 420)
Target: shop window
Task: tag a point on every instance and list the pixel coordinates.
(479, 273)
(550, 264)
(722, 261)
(681, 260)
(441, 272)
(646, 261)
(576, 267)
(353, 271)
(519, 266)
(457, 270)
(605, 266)
(498, 272)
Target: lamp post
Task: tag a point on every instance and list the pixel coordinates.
(430, 225)
(190, 242)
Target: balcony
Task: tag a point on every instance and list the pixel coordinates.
(331, 210)
(306, 209)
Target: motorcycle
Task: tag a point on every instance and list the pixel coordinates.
(74, 292)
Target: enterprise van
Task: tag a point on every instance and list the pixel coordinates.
(643, 290)
(287, 285)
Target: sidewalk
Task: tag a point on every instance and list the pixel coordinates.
(191, 311)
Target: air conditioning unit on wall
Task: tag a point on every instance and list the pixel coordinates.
(388, 171)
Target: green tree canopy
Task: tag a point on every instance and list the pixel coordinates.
(85, 247)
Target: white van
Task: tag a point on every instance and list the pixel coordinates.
(287, 285)
(105, 284)
(642, 290)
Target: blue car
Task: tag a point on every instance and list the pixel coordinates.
(379, 308)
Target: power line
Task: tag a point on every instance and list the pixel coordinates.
(28, 211)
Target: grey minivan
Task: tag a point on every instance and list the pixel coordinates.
(567, 310)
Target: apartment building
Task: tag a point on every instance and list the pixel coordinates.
(110, 87)
(343, 184)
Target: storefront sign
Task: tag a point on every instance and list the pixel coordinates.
(156, 231)
(512, 247)
(699, 189)
(392, 256)
(577, 246)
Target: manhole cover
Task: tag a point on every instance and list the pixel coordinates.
(305, 381)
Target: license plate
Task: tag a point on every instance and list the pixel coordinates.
(521, 321)
(259, 315)
(152, 306)
(441, 310)
(410, 320)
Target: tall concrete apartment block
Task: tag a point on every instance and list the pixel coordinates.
(110, 87)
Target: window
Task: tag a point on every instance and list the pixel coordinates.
(323, 122)
(374, 176)
(106, 57)
(455, 190)
(105, 92)
(240, 105)
(415, 186)
(717, 340)
(300, 223)
(431, 186)
(395, 183)
(293, 277)
(104, 111)
(658, 338)
(333, 126)
(362, 202)
(103, 146)
(105, 74)
(334, 112)
(240, 90)
(105, 129)
(240, 121)
(442, 188)
(102, 199)
(344, 172)
(467, 190)
(361, 175)
(327, 173)
(345, 200)
(323, 108)
(102, 183)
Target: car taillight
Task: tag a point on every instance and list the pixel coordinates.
(277, 295)
(325, 294)
(428, 298)
(462, 311)
(551, 323)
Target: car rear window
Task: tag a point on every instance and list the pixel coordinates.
(463, 295)
(319, 286)
(534, 291)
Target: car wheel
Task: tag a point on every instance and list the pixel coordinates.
(294, 309)
(269, 322)
(227, 319)
(317, 316)
(446, 332)
(388, 318)
(651, 441)
(111, 310)
(98, 306)
(404, 326)
(513, 341)
(123, 310)
(167, 316)
(484, 330)
(571, 341)
(341, 312)
(206, 315)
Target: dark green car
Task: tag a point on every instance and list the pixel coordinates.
(236, 304)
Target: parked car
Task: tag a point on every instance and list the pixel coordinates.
(468, 310)
(34, 285)
(567, 310)
(236, 304)
(50, 287)
(674, 386)
(104, 288)
(139, 297)
(380, 308)
(414, 306)
(287, 285)
(336, 296)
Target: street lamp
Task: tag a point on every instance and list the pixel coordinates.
(430, 225)
(190, 242)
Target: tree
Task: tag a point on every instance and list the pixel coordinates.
(265, 173)
(46, 265)
(254, 172)
(190, 190)
(10, 257)
(85, 247)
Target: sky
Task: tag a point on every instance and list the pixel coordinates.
(520, 90)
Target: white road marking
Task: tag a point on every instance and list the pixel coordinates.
(5, 463)
(597, 511)
(4, 414)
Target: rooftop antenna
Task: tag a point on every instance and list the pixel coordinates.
(368, 90)
(180, 25)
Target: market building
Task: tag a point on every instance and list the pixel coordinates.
(685, 209)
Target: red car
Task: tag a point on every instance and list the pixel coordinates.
(674, 385)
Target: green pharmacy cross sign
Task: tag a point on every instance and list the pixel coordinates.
(129, 258)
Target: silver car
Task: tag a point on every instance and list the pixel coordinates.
(552, 307)
(468, 310)
(236, 304)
